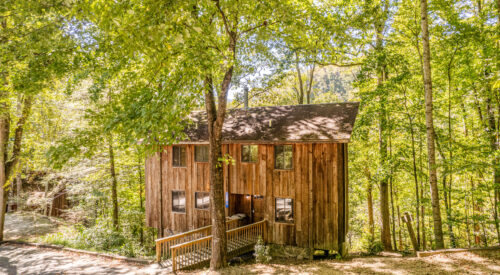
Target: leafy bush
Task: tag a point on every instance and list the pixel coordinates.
(262, 254)
(370, 245)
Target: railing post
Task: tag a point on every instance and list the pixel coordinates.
(174, 264)
(158, 252)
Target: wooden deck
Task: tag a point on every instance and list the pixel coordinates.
(196, 253)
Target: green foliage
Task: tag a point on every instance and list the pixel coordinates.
(262, 254)
(371, 245)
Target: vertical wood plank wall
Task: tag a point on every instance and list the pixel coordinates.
(317, 184)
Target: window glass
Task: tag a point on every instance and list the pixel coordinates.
(249, 153)
(201, 153)
(179, 201)
(283, 157)
(284, 210)
(179, 156)
(201, 200)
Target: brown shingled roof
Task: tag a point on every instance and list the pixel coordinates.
(331, 122)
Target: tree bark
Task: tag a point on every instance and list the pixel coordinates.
(407, 219)
(299, 76)
(141, 204)
(4, 138)
(369, 199)
(114, 182)
(429, 122)
(215, 117)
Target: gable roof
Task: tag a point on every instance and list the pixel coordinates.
(330, 122)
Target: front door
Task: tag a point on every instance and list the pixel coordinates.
(257, 208)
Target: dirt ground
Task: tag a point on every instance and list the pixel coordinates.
(25, 225)
(456, 263)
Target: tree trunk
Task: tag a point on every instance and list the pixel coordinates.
(429, 122)
(114, 182)
(299, 76)
(4, 138)
(310, 83)
(19, 183)
(407, 219)
(215, 117)
(141, 204)
(369, 199)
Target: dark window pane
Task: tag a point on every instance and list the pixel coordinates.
(202, 200)
(201, 153)
(284, 210)
(178, 201)
(249, 153)
(179, 156)
(283, 157)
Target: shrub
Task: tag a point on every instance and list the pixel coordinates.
(262, 254)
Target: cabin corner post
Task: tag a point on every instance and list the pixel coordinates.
(343, 200)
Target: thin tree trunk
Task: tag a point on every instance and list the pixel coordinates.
(436, 211)
(475, 209)
(141, 204)
(467, 225)
(4, 138)
(415, 175)
(310, 83)
(114, 182)
(19, 183)
(407, 219)
(299, 76)
(400, 233)
(369, 199)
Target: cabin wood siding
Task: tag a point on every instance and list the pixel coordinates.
(317, 184)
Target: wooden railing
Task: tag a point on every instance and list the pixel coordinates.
(198, 251)
(163, 245)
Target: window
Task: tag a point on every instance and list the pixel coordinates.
(179, 156)
(201, 153)
(283, 157)
(249, 153)
(284, 210)
(201, 200)
(179, 201)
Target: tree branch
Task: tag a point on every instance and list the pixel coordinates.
(224, 18)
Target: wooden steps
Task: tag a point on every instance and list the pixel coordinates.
(197, 252)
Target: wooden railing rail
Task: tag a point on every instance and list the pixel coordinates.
(199, 250)
(163, 245)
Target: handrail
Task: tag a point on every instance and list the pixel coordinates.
(199, 250)
(164, 244)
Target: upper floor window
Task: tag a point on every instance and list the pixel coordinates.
(179, 156)
(249, 153)
(283, 157)
(179, 201)
(201, 153)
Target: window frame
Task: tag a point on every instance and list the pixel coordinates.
(172, 204)
(196, 200)
(276, 210)
(283, 152)
(196, 147)
(249, 145)
(180, 148)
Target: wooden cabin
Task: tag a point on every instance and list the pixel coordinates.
(289, 167)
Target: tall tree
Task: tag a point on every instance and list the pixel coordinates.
(429, 122)
(35, 52)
